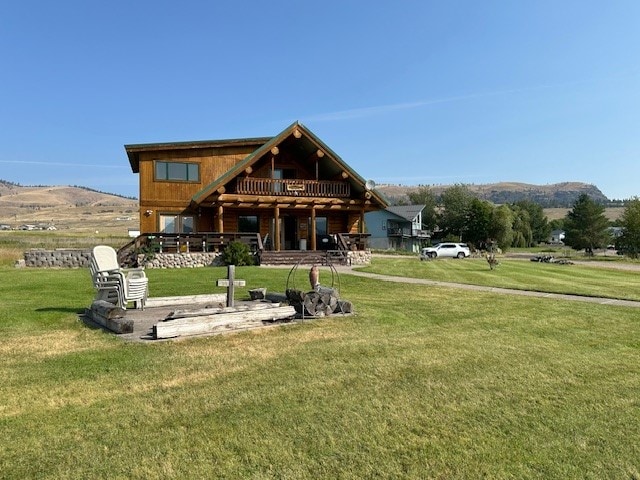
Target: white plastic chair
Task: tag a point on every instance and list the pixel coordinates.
(114, 284)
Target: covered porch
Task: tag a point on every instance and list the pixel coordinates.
(299, 225)
(215, 242)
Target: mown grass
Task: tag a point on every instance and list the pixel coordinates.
(14, 243)
(576, 279)
(421, 383)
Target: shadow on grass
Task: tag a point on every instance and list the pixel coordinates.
(61, 310)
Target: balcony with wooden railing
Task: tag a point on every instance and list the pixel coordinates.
(288, 187)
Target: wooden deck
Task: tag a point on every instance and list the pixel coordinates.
(182, 310)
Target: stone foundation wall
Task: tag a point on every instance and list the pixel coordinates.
(62, 258)
(181, 260)
(360, 257)
(70, 258)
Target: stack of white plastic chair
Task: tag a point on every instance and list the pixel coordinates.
(114, 284)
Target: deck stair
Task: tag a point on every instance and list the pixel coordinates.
(292, 257)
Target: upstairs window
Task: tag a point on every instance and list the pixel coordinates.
(180, 171)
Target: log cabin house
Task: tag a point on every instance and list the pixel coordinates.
(291, 191)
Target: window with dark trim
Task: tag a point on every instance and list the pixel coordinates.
(248, 224)
(182, 171)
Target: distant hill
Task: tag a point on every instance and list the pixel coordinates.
(66, 207)
(557, 195)
(84, 209)
(14, 195)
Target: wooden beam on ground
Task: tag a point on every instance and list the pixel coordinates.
(110, 316)
(216, 311)
(216, 299)
(216, 323)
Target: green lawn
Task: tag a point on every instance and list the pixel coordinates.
(421, 383)
(577, 279)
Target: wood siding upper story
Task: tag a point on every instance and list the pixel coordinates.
(176, 193)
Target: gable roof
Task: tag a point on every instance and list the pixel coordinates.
(134, 150)
(408, 212)
(387, 214)
(306, 143)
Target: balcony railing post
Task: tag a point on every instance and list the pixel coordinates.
(312, 188)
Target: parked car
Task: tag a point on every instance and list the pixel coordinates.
(451, 250)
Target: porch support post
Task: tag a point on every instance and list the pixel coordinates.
(220, 219)
(276, 234)
(313, 229)
(361, 222)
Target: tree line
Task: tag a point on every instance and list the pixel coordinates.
(458, 215)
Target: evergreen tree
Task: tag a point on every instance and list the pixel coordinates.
(586, 226)
(629, 241)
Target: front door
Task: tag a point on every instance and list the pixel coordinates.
(289, 232)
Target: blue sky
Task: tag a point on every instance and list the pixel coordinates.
(406, 92)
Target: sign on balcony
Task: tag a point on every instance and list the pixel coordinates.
(295, 187)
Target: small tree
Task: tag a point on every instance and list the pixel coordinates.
(629, 241)
(586, 226)
(502, 227)
(478, 226)
(237, 253)
(456, 202)
(538, 224)
(522, 234)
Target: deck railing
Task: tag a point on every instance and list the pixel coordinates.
(216, 242)
(307, 188)
(353, 241)
(187, 243)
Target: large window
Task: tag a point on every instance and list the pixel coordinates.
(188, 172)
(248, 224)
(176, 224)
